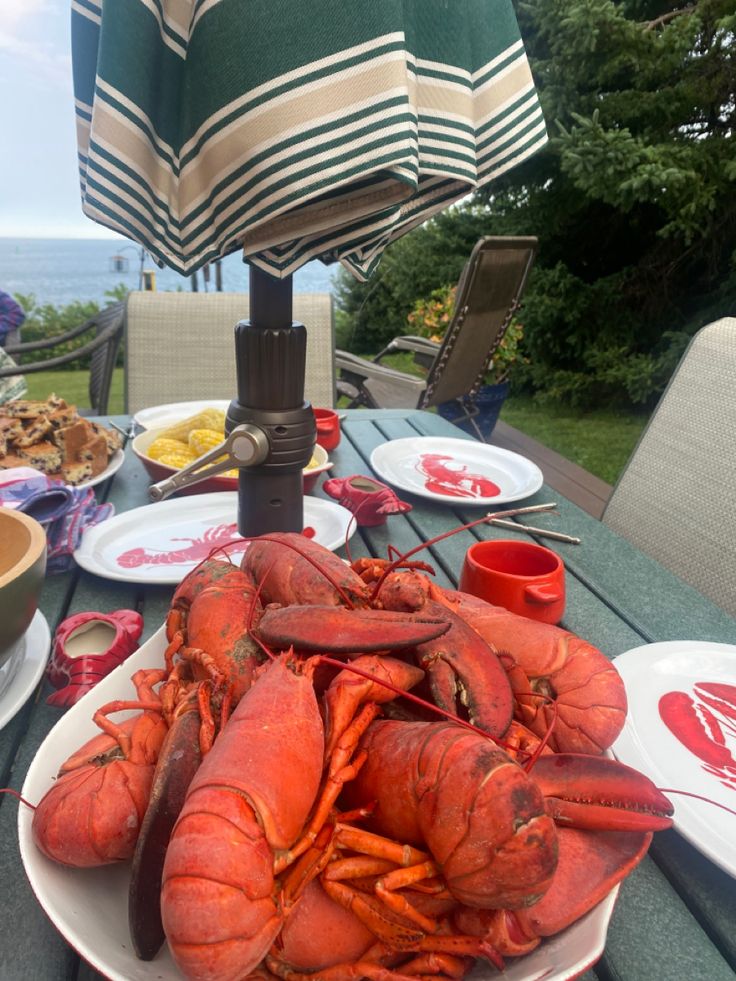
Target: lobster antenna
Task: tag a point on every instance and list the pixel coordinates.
(688, 793)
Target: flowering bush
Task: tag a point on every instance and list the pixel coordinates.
(431, 318)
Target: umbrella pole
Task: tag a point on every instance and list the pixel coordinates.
(270, 362)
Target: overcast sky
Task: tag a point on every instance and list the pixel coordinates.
(39, 188)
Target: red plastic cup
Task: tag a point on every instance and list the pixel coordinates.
(520, 576)
(328, 428)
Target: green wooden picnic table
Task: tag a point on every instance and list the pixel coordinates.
(675, 918)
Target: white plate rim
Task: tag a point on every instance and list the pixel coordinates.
(175, 411)
(114, 464)
(76, 726)
(37, 640)
(450, 444)
(687, 818)
(216, 501)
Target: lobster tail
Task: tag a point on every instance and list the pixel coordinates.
(249, 801)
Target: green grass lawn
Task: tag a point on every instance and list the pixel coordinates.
(600, 441)
(72, 386)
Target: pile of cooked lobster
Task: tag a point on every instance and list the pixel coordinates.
(346, 772)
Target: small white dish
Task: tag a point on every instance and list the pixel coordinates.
(172, 412)
(89, 907)
(24, 668)
(456, 471)
(116, 462)
(160, 543)
(661, 751)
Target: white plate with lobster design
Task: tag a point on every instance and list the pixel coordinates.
(681, 731)
(90, 906)
(456, 471)
(160, 543)
(173, 412)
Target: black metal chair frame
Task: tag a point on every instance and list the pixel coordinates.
(103, 347)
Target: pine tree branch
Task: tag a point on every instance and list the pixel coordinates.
(665, 18)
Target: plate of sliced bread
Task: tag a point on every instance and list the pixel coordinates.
(52, 437)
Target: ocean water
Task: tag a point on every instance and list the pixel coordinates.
(60, 271)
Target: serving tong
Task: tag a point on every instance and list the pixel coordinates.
(246, 446)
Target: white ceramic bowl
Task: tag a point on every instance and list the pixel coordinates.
(22, 568)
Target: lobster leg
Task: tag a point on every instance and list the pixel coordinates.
(349, 689)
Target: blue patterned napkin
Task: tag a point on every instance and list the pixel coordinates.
(65, 512)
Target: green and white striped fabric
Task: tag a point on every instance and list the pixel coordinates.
(293, 129)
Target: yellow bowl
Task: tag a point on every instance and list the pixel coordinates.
(160, 471)
(22, 568)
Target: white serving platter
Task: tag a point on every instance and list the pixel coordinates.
(89, 907)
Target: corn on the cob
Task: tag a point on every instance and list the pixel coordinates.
(206, 419)
(178, 458)
(162, 445)
(203, 440)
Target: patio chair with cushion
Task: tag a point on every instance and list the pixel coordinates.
(180, 346)
(488, 293)
(103, 348)
(676, 498)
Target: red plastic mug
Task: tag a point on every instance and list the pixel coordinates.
(520, 576)
(328, 428)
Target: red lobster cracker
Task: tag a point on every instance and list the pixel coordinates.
(369, 500)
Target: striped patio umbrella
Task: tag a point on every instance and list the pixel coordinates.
(293, 129)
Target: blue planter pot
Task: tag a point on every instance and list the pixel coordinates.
(488, 404)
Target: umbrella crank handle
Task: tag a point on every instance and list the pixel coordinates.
(246, 446)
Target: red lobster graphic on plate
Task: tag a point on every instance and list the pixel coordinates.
(197, 549)
(443, 479)
(705, 725)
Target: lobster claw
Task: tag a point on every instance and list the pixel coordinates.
(595, 793)
(177, 764)
(337, 630)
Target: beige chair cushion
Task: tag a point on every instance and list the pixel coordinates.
(676, 499)
(180, 346)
